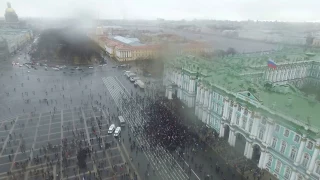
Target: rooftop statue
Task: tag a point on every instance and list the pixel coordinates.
(10, 14)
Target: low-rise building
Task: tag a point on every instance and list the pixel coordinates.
(130, 49)
(273, 112)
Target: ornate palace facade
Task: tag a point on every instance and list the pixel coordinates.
(241, 96)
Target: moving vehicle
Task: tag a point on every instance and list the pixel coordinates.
(56, 69)
(122, 121)
(117, 132)
(130, 75)
(139, 83)
(134, 78)
(111, 128)
(90, 67)
(126, 73)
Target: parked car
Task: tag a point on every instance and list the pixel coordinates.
(117, 132)
(126, 73)
(130, 75)
(134, 78)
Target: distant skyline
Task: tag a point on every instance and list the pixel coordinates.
(237, 10)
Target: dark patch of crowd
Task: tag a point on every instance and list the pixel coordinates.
(166, 128)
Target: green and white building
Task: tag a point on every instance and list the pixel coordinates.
(275, 111)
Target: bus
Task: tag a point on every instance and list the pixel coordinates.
(122, 121)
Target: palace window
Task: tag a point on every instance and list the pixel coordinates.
(238, 119)
(261, 132)
(277, 128)
(269, 161)
(283, 147)
(244, 123)
(246, 112)
(287, 173)
(278, 166)
(293, 153)
(274, 143)
(296, 138)
(318, 168)
(299, 177)
(220, 110)
(305, 160)
(250, 125)
(310, 145)
(239, 108)
(286, 133)
(264, 121)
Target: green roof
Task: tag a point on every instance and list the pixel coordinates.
(240, 73)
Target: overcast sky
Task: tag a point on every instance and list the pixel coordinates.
(282, 10)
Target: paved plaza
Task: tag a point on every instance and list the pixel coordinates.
(32, 144)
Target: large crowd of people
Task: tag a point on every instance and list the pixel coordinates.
(167, 127)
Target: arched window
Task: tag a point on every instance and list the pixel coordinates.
(293, 153)
(261, 132)
(278, 166)
(299, 177)
(274, 143)
(305, 160)
(287, 173)
(283, 147)
(269, 160)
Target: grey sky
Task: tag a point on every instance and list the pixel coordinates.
(282, 10)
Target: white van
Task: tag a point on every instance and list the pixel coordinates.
(117, 132)
(111, 129)
(139, 83)
(131, 75)
(122, 121)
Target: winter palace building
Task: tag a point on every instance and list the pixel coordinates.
(274, 111)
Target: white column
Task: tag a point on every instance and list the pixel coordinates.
(234, 139)
(210, 101)
(248, 121)
(270, 132)
(249, 150)
(293, 175)
(301, 147)
(262, 158)
(266, 133)
(190, 85)
(266, 159)
(166, 92)
(225, 109)
(230, 137)
(233, 116)
(313, 159)
(246, 149)
(221, 134)
(208, 119)
(170, 93)
(241, 116)
(254, 130)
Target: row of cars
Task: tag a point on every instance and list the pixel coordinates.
(114, 130)
(135, 79)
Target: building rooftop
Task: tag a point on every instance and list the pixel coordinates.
(240, 73)
(128, 41)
